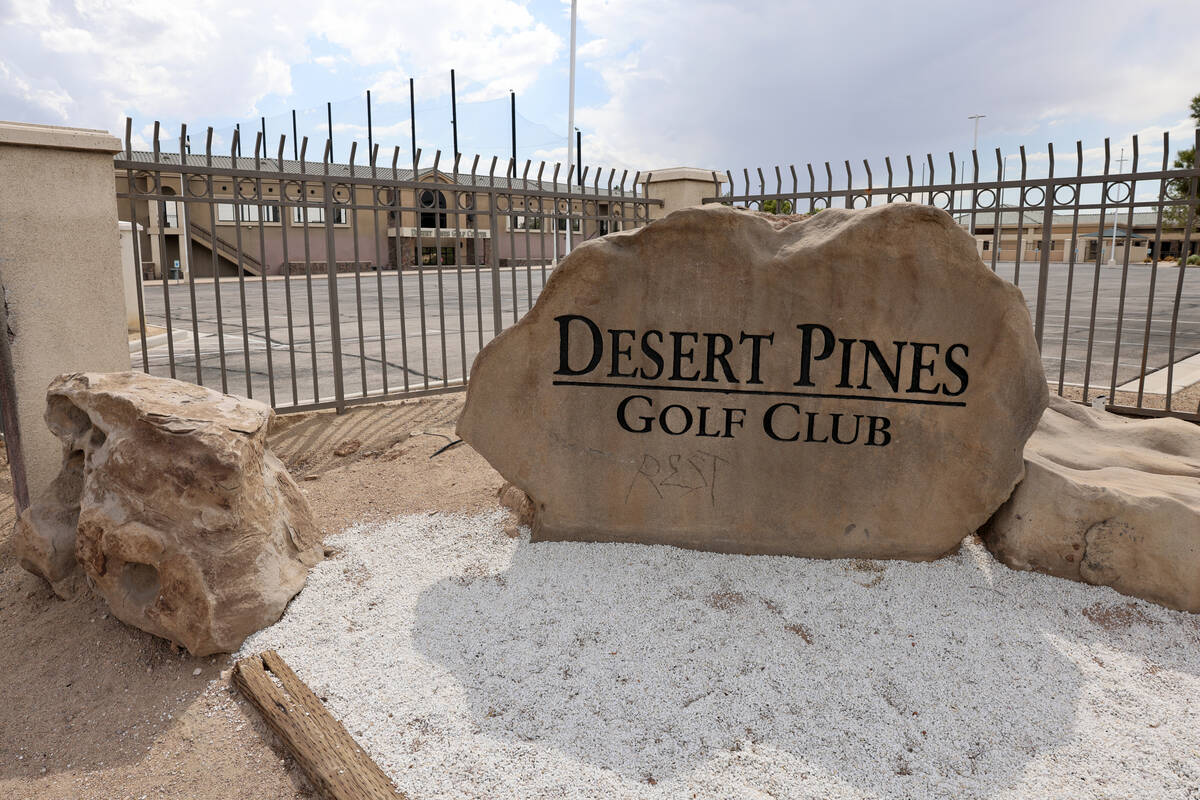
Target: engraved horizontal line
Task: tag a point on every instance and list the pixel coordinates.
(764, 393)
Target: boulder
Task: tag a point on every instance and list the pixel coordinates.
(173, 506)
(854, 384)
(1109, 501)
(44, 538)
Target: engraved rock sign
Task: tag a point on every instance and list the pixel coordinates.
(856, 383)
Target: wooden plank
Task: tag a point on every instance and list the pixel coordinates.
(331, 759)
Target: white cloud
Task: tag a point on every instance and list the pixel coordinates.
(707, 81)
(220, 58)
(52, 98)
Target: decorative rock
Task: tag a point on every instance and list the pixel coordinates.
(186, 523)
(856, 384)
(44, 538)
(1108, 501)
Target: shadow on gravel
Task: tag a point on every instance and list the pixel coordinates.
(653, 662)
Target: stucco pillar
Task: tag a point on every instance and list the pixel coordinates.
(679, 187)
(60, 267)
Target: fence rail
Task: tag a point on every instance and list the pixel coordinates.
(1085, 237)
(417, 267)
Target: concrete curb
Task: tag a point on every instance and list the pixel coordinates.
(158, 340)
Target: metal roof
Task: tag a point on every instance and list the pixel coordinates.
(1120, 234)
(1009, 219)
(145, 160)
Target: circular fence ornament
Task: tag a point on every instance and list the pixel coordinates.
(1117, 193)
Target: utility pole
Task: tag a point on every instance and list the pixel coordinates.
(571, 122)
(1112, 250)
(454, 116)
(974, 150)
(412, 123)
(329, 117)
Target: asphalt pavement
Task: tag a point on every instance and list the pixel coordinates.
(412, 332)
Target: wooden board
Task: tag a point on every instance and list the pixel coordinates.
(331, 759)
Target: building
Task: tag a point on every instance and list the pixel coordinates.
(277, 224)
(1021, 233)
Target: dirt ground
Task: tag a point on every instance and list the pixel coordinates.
(1186, 399)
(95, 709)
(92, 708)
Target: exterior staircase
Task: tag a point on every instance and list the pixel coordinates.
(229, 252)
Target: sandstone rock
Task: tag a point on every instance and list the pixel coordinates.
(856, 384)
(517, 502)
(1108, 501)
(44, 539)
(182, 518)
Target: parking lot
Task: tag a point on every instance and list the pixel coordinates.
(415, 332)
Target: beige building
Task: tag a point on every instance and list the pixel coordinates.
(280, 226)
(1021, 233)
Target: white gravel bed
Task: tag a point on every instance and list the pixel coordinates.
(474, 665)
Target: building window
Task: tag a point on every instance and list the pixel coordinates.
(429, 255)
(431, 199)
(316, 215)
(247, 212)
(517, 222)
(562, 224)
(987, 246)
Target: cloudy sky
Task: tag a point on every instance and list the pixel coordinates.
(661, 83)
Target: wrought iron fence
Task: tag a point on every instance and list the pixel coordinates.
(313, 284)
(1115, 307)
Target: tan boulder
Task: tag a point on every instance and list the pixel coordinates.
(183, 519)
(44, 539)
(856, 384)
(1109, 501)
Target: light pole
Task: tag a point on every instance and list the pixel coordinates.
(570, 127)
(976, 117)
(974, 149)
(1112, 250)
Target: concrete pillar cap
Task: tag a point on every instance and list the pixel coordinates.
(28, 134)
(683, 174)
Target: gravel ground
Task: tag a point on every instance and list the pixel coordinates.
(471, 663)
